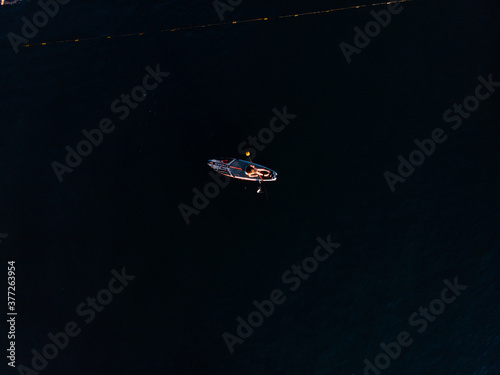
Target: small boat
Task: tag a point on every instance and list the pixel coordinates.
(242, 170)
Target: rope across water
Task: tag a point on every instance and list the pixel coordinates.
(175, 29)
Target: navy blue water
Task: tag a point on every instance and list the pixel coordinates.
(120, 206)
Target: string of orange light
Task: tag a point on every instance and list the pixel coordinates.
(219, 24)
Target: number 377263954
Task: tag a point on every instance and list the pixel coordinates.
(11, 288)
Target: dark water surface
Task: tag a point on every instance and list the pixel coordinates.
(120, 206)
